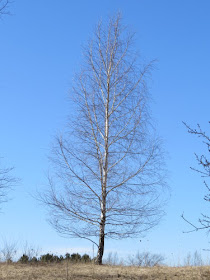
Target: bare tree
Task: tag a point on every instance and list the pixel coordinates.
(109, 166)
(204, 170)
(4, 7)
(6, 182)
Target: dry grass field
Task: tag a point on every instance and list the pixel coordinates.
(69, 271)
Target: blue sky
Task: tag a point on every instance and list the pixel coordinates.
(40, 49)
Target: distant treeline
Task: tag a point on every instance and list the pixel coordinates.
(51, 258)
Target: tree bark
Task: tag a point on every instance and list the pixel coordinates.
(101, 242)
(104, 184)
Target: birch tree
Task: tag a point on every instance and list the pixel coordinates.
(108, 168)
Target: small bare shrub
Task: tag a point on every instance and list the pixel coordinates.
(194, 259)
(9, 251)
(112, 259)
(146, 259)
(32, 252)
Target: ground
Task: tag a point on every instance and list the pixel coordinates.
(69, 271)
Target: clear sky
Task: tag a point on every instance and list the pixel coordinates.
(40, 49)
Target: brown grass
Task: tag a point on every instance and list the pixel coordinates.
(68, 271)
